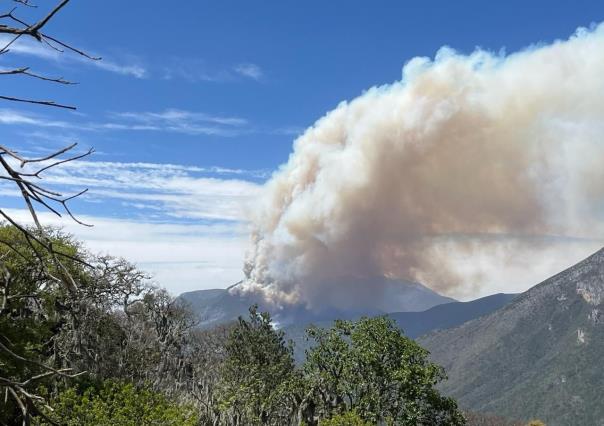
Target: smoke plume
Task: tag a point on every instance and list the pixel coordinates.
(467, 156)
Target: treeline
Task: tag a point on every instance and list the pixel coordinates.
(112, 349)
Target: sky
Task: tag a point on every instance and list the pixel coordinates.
(195, 104)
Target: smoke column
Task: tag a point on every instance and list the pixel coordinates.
(468, 155)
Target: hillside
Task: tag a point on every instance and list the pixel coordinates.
(448, 315)
(539, 356)
(216, 306)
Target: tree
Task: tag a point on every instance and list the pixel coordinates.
(203, 361)
(369, 366)
(25, 174)
(117, 325)
(257, 362)
(349, 418)
(31, 316)
(115, 403)
(96, 336)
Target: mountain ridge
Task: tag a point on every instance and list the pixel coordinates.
(218, 306)
(414, 324)
(538, 356)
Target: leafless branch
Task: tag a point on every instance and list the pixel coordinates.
(33, 101)
(25, 71)
(36, 249)
(19, 28)
(71, 48)
(25, 3)
(30, 30)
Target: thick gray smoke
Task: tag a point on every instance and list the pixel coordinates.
(466, 155)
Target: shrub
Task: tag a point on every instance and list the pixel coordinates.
(115, 403)
(349, 418)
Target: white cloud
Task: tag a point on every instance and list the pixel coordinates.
(196, 70)
(26, 46)
(137, 71)
(249, 70)
(167, 191)
(177, 115)
(180, 257)
(174, 167)
(180, 121)
(189, 69)
(11, 116)
(169, 120)
(184, 224)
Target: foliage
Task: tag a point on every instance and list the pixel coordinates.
(28, 326)
(115, 325)
(349, 418)
(115, 403)
(257, 363)
(371, 367)
(137, 348)
(33, 309)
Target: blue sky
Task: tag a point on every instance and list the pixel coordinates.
(219, 91)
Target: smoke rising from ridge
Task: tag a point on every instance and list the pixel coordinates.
(466, 155)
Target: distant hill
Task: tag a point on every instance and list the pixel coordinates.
(415, 324)
(448, 315)
(219, 306)
(216, 306)
(540, 356)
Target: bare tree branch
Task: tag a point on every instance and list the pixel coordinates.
(47, 264)
(32, 101)
(34, 29)
(73, 49)
(25, 3)
(25, 71)
(21, 28)
(30, 30)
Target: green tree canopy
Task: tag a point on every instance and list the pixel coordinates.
(139, 352)
(257, 363)
(369, 366)
(115, 403)
(349, 418)
(33, 301)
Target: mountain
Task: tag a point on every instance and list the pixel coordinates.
(415, 324)
(540, 356)
(219, 306)
(406, 296)
(448, 315)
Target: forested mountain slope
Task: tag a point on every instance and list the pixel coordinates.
(539, 356)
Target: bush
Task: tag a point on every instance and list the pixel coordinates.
(349, 418)
(115, 403)
(369, 366)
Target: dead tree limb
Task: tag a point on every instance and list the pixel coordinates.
(26, 175)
